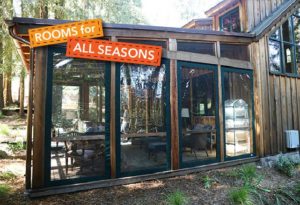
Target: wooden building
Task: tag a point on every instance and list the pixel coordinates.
(219, 98)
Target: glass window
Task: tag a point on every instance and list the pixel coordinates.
(289, 58)
(275, 35)
(283, 47)
(198, 109)
(296, 21)
(274, 56)
(231, 21)
(238, 114)
(196, 47)
(235, 51)
(77, 118)
(143, 129)
(287, 31)
(298, 59)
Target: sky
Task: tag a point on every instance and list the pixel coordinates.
(167, 12)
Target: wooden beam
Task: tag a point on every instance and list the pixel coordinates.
(134, 179)
(174, 109)
(38, 169)
(113, 145)
(28, 177)
(221, 114)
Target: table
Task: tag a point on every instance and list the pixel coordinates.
(212, 134)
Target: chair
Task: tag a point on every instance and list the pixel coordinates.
(83, 152)
(196, 142)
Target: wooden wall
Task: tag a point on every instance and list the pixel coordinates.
(277, 102)
(258, 10)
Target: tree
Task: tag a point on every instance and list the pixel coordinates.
(6, 52)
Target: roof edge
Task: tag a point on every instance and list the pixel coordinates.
(212, 11)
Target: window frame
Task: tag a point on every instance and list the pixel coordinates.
(230, 12)
(283, 43)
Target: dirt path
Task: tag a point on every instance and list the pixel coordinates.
(149, 192)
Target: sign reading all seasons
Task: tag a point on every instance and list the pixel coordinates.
(79, 45)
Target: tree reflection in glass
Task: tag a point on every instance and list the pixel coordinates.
(143, 117)
(274, 56)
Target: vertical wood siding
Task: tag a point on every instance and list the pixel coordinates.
(259, 10)
(277, 102)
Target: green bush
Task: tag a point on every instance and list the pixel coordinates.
(15, 147)
(7, 176)
(248, 174)
(286, 166)
(240, 196)
(177, 198)
(4, 190)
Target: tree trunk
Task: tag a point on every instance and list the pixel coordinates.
(1, 92)
(43, 9)
(7, 89)
(21, 100)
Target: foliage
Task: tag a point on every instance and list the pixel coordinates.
(248, 174)
(7, 176)
(15, 147)
(285, 196)
(240, 196)
(207, 181)
(4, 130)
(4, 190)
(286, 166)
(297, 188)
(177, 198)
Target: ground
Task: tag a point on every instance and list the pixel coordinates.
(149, 192)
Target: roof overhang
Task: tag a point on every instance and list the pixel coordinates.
(221, 7)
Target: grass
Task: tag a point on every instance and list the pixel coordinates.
(4, 190)
(4, 130)
(207, 182)
(7, 176)
(15, 147)
(240, 196)
(177, 198)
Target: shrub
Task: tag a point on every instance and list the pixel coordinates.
(207, 182)
(297, 188)
(7, 176)
(177, 198)
(248, 174)
(15, 147)
(4, 190)
(3, 154)
(240, 196)
(286, 166)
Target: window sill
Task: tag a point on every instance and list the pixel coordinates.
(292, 75)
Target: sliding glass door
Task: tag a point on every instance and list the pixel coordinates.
(142, 119)
(238, 113)
(198, 113)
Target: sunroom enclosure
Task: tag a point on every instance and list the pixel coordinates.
(96, 120)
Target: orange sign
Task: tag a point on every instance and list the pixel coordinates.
(50, 35)
(114, 51)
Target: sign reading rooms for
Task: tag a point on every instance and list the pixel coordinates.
(50, 35)
(114, 51)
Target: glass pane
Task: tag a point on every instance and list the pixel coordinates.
(276, 35)
(296, 21)
(298, 59)
(238, 114)
(287, 31)
(143, 117)
(147, 42)
(288, 58)
(231, 21)
(233, 51)
(198, 114)
(235, 22)
(196, 47)
(274, 56)
(78, 122)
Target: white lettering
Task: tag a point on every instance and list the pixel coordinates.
(77, 48)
